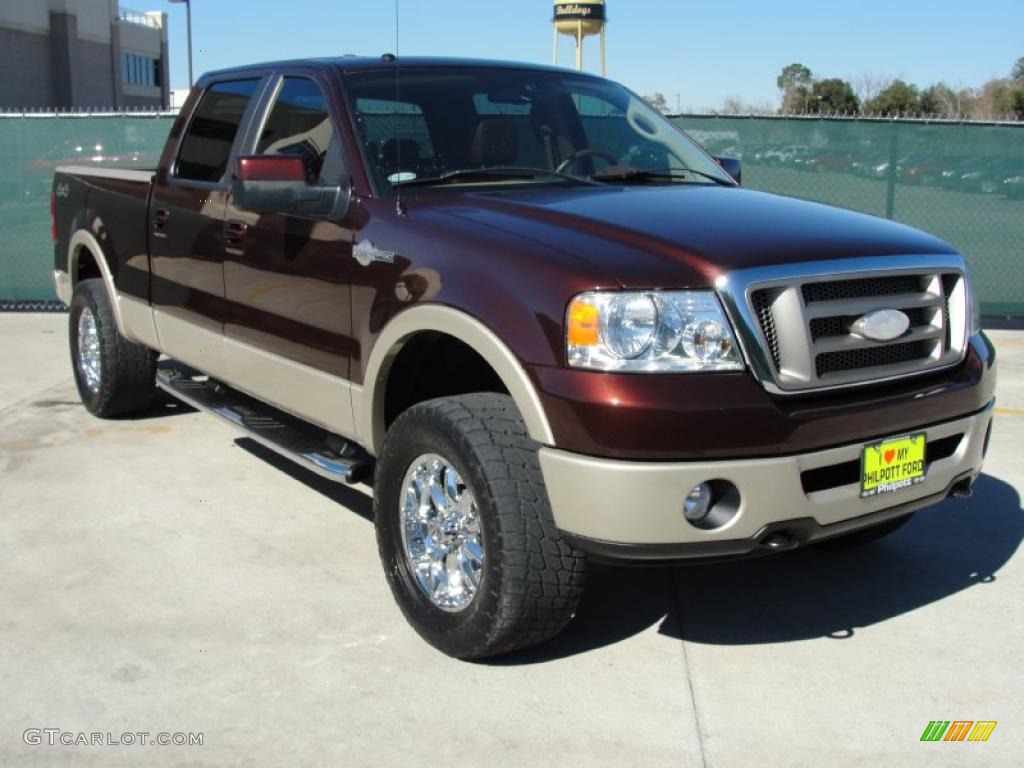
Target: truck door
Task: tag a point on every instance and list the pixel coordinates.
(287, 277)
(186, 217)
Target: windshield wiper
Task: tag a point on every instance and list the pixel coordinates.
(628, 173)
(495, 173)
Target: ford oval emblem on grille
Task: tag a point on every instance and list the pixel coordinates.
(881, 325)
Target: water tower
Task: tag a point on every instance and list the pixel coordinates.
(580, 20)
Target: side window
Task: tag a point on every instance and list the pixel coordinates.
(206, 148)
(300, 125)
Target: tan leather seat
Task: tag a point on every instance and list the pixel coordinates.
(495, 142)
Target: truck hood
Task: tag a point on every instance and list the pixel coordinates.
(682, 235)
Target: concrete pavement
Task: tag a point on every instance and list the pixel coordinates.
(160, 574)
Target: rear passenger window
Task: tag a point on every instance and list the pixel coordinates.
(206, 148)
(299, 125)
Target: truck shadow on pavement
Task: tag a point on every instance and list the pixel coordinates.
(344, 495)
(163, 405)
(800, 595)
(811, 593)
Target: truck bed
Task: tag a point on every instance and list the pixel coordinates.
(111, 202)
(134, 172)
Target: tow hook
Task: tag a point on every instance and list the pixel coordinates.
(779, 542)
(962, 489)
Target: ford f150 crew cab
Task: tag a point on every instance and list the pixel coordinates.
(536, 315)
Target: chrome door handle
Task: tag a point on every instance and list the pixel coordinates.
(234, 235)
(160, 218)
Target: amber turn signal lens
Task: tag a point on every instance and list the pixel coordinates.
(583, 324)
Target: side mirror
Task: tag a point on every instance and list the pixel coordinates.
(731, 165)
(280, 184)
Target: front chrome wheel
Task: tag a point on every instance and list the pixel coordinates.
(441, 539)
(89, 350)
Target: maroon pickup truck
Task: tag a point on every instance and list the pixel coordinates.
(537, 316)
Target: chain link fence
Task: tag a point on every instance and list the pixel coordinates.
(31, 146)
(961, 181)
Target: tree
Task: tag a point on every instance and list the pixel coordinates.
(940, 100)
(795, 83)
(1018, 103)
(995, 100)
(966, 100)
(734, 105)
(657, 101)
(833, 95)
(898, 99)
(794, 75)
(1017, 75)
(1017, 97)
(867, 86)
(929, 102)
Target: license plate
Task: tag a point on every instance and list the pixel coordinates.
(892, 464)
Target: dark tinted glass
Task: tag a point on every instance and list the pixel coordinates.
(206, 148)
(395, 133)
(299, 125)
(459, 118)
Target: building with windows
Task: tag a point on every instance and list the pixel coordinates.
(82, 54)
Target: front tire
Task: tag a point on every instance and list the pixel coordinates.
(115, 376)
(465, 530)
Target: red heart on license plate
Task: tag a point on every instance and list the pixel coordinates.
(890, 455)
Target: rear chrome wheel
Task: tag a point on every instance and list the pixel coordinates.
(441, 536)
(114, 376)
(89, 350)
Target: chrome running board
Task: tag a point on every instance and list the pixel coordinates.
(305, 444)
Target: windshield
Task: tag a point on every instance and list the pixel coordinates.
(450, 120)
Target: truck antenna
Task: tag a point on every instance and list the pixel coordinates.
(399, 206)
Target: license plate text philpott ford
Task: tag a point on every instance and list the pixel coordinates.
(892, 464)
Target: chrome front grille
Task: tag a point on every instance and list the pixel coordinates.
(763, 309)
(836, 290)
(796, 321)
(870, 357)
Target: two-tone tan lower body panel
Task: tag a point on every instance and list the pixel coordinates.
(301, 390)
(641, 503)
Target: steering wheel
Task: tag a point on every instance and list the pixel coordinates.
(590, 152)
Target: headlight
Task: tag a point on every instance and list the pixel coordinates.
(650, 332)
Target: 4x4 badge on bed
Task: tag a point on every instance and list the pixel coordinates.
(366, 253)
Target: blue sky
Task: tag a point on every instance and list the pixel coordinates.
(704, 50)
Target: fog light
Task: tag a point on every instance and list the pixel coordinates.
(697, 503)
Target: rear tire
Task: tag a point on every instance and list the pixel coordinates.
(114, 376)
(865, 536)
(528, 580)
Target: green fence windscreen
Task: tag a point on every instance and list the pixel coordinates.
(30, 148)
(962, 182)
